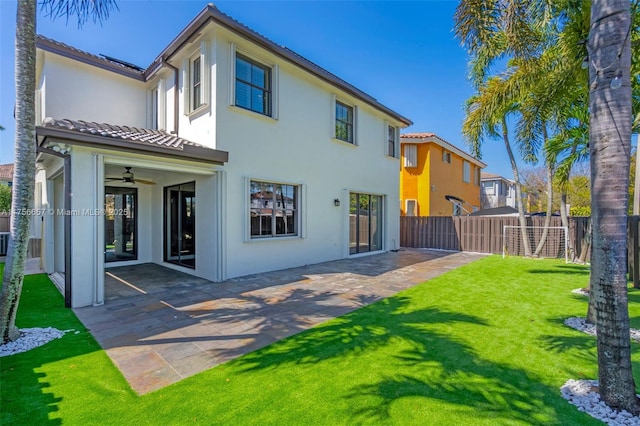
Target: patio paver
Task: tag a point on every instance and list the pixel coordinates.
(159, 325)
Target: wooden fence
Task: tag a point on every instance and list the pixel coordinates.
(34, 243)
(483, 234)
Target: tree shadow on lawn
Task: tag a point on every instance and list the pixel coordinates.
(562, 270)
(415, 360)
(26, 395)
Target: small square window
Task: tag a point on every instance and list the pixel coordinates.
(344, 122)
(446, 156)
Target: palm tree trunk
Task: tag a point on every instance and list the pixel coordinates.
(610, 146)
(547, 219)
(516, 177)
(24, 169)
(564, 218)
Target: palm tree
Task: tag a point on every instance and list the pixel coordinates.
(610, 145)
(25, 145)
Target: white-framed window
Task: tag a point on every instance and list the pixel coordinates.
(196, 77)
(477, 176)
(489, 188)
(344, 122)
(466, 171)
(274, 209)
(253, 85)
(157, 106)
(195, 82)
(392, 141)
(411, 208)
(446, 156)
(411, 155)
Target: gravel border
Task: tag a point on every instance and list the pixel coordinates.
(584, 395)
(31, 338)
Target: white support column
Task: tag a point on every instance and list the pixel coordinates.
(98, 229)
(221, 228)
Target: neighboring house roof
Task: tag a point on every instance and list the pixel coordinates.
(6, 171)
(127, 138)
(426, 137)
(208, 14)
(484, 176)
(496, 211)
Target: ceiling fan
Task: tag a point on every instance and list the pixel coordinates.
(128, 178)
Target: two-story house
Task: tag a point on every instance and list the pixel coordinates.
(437, 178)
(497, 191)
(228, 155)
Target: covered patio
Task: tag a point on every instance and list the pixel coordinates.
(160, 325)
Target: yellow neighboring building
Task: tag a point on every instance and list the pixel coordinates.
(430, 169)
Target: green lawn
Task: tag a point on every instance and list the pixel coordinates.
(481, 345)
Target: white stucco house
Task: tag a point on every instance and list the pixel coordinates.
(228, 155)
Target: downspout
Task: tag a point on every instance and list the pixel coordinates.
(66, 176)
(176, 95)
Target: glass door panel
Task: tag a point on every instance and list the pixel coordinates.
(180, 224)
(120, 230)
(365, 223)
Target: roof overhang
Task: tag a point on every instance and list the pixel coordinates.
(187, 152)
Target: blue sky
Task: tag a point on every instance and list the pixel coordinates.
(402, 53)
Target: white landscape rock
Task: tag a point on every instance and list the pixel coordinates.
(583, 393)
(31, 338)
(581, 291)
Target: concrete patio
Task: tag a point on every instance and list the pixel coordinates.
(160, 326)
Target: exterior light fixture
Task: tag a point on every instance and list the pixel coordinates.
(336, 202)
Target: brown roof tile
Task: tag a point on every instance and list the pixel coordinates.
(6, 171)
(132, 134)
(418, 135)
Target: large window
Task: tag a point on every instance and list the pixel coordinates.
(344, 122)
(273, 209)
(365, 223)
(253, 85)
(120, 230)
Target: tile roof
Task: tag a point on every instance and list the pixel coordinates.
(211, 12)
(418, 135)
(6, 171)
(102, 61)
(132, 134)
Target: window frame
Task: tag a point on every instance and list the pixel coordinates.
(392, 141)
(275, 208)
(466, 171)
(446, 156)
(201, 59)
(413, 212)
(410, 163)
(268, 89)
(350, 124)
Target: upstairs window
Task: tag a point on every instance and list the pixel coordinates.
(392, 141)
(446, 156)
(411, 156)
(195, 86)
(477, 176)
(344, 122)
(466, 171)
(253, 86)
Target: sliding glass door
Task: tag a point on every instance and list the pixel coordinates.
(365, 223)
(180, 224)
(120, 230)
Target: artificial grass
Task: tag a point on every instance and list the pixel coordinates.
(483, 344)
